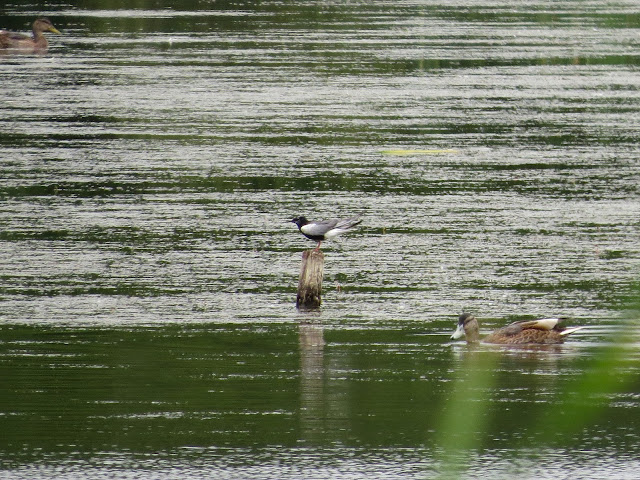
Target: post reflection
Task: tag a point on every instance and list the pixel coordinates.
(312, 378)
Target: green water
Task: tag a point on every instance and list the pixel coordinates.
(150, 163)
(243, 396)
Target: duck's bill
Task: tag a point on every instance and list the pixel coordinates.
(459, 333)
(54, 30)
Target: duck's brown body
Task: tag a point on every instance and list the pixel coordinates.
(525, 332)
(545, 331)
(19, 41)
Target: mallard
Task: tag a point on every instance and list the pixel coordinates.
(543, 331)
(19, 41)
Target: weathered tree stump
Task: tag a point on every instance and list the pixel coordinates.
(310, 284)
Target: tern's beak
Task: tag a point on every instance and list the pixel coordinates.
(459, 333)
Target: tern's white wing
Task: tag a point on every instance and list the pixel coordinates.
(318, 228)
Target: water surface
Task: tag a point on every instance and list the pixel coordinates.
(149, 164)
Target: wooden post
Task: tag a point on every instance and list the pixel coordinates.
(310, 284)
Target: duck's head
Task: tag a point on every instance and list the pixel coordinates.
(43, 24)
(467, 326)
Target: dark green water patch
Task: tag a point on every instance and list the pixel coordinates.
(143, 390)
(72, 287)
(328, 181)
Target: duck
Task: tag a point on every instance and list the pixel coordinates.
(37, 42)
(544, 331)
(321, 230)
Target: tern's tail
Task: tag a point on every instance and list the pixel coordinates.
(347, 223)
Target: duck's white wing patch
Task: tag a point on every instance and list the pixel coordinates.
(567, 331)
(545, 323)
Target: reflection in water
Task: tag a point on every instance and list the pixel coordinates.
(313, 396)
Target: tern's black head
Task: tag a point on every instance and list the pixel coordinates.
(300, 221)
